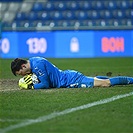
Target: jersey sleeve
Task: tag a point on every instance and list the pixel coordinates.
(43, 85)
(47, 73)
(41, 73)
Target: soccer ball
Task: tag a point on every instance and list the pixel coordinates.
(34, 79)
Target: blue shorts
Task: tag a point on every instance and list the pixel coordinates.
(87, 82)
(75, 79)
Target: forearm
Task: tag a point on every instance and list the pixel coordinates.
(40, 86)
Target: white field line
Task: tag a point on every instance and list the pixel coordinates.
(67, 111)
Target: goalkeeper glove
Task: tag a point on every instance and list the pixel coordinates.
(23, 85)
(28, 79)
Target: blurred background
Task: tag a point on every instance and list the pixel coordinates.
(66, 28)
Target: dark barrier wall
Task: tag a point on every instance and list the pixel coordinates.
(67, 44)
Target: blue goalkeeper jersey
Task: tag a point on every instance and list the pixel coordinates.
(50, 76)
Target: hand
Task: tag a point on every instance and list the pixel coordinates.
(28, 79)
(23, 85)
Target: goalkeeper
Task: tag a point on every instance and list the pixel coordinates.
(49, 76)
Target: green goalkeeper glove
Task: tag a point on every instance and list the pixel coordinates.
(23, 85)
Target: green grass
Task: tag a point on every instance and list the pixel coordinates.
(113, 117)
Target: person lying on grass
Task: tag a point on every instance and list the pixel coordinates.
(39, 73)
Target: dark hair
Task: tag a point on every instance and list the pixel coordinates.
(16, 65)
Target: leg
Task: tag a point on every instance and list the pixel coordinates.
(106, 82)
(121, 80)
(101, 82)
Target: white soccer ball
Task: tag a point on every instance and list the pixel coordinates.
(34, 79)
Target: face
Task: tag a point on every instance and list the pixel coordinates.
(23, 71)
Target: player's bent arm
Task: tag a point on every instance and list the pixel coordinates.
(43, 82)
(31, 82)
(41, 85)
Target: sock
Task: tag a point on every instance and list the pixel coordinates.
(121, 80)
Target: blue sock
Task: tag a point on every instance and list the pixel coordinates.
(121, 80)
